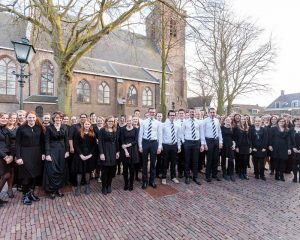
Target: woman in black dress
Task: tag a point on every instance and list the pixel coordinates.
(139, 165)
(295, 137)
(108, 143)
(12, 128)
(85, 144)
(129, 152)
(227, 152)
(280, 146)
(56, 150)
(6, 157)
(259, 139)
(30, 153)
(243, 146)
(99, 125)
(272, 123)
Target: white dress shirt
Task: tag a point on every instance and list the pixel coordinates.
(186, 129)
(156, 133)
(167, 133)
(208, 130)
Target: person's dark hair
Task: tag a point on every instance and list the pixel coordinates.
(151, 108)
(271, 118)
(136, 110)
(170, 111)
(92, 113)
(83, 114)
(296, 119)
(285, 126)
(181, 110)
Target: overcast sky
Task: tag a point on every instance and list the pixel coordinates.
(282, 19)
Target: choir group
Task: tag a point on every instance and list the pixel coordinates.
(59, 150)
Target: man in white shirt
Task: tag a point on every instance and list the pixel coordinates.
(212, 141)
(150, 142)
(180, 165)
(171, 146)
(191, 132)
(159, 161)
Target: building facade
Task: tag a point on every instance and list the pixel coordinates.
(120, 74)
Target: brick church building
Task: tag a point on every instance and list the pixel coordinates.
(120, 74)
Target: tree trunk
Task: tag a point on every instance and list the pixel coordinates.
(229, 106)
(64, 92)
(163, 91)
(220, 96)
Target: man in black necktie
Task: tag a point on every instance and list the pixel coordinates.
(180, 164)
(150, 142)
(191, 129)
(212, 142)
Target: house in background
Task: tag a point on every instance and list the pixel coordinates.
(199, 103)
(285, 103)
(253, 110)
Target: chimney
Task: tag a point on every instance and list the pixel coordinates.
(282, 92)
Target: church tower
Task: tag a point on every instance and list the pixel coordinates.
(166, 24)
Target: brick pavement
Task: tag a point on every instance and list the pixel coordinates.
(251, 209)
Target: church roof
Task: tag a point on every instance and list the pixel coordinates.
(120, 47)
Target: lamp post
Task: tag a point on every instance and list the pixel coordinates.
(24, 52)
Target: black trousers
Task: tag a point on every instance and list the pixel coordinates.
(296, 165)
(159, 164)
(181, 161)
(128, 169)
(169, 156)
(243, 160)
(149, 147)
(227, 166)
(259, 166)
(201, 163)
(107, 174)
(279, 166)
(212, 158)
(191, 154)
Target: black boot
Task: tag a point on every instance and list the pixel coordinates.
(26, 199)
(109, 190)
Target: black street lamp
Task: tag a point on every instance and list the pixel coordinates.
(24, 52)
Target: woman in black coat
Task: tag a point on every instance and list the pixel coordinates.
(272, 123)
(259, 139)
(56, 150)
(108, 144)
(85, 155)
(30, 153)
(138, 167)
(280, 146)
(6, 157)
(227, 152)
(243, 146)
(295, 139)
(129, 152)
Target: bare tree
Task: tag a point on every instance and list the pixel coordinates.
(231, 53)
(74, 27)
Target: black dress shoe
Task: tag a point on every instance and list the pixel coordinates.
(104, 191)
(153, 185)
(246, 177)
(3, 202)
(232, 178)
(226, 177)
(197, 181)
(52, 196)
(59, 194)
(109, 189)
(33, 197)
(263, 178)
(125, 187)
(130, 188)
(145, 185)
(26, 200)
(10, 194)
(217, 178)
(187, 180)
(277, 178)
(208, 179)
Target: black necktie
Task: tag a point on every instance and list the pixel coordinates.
(149, 129)
(214, 128)
(193, 130)
(173, 133)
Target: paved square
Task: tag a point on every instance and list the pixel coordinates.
(251, 209)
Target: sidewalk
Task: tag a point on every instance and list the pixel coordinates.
(251, 209)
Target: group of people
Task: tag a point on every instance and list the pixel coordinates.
(59, 150)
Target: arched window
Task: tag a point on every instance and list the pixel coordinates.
(103, 93)
(132, 96)
(147, 97)
(7, 78)
(47, 78)
(83, 92)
